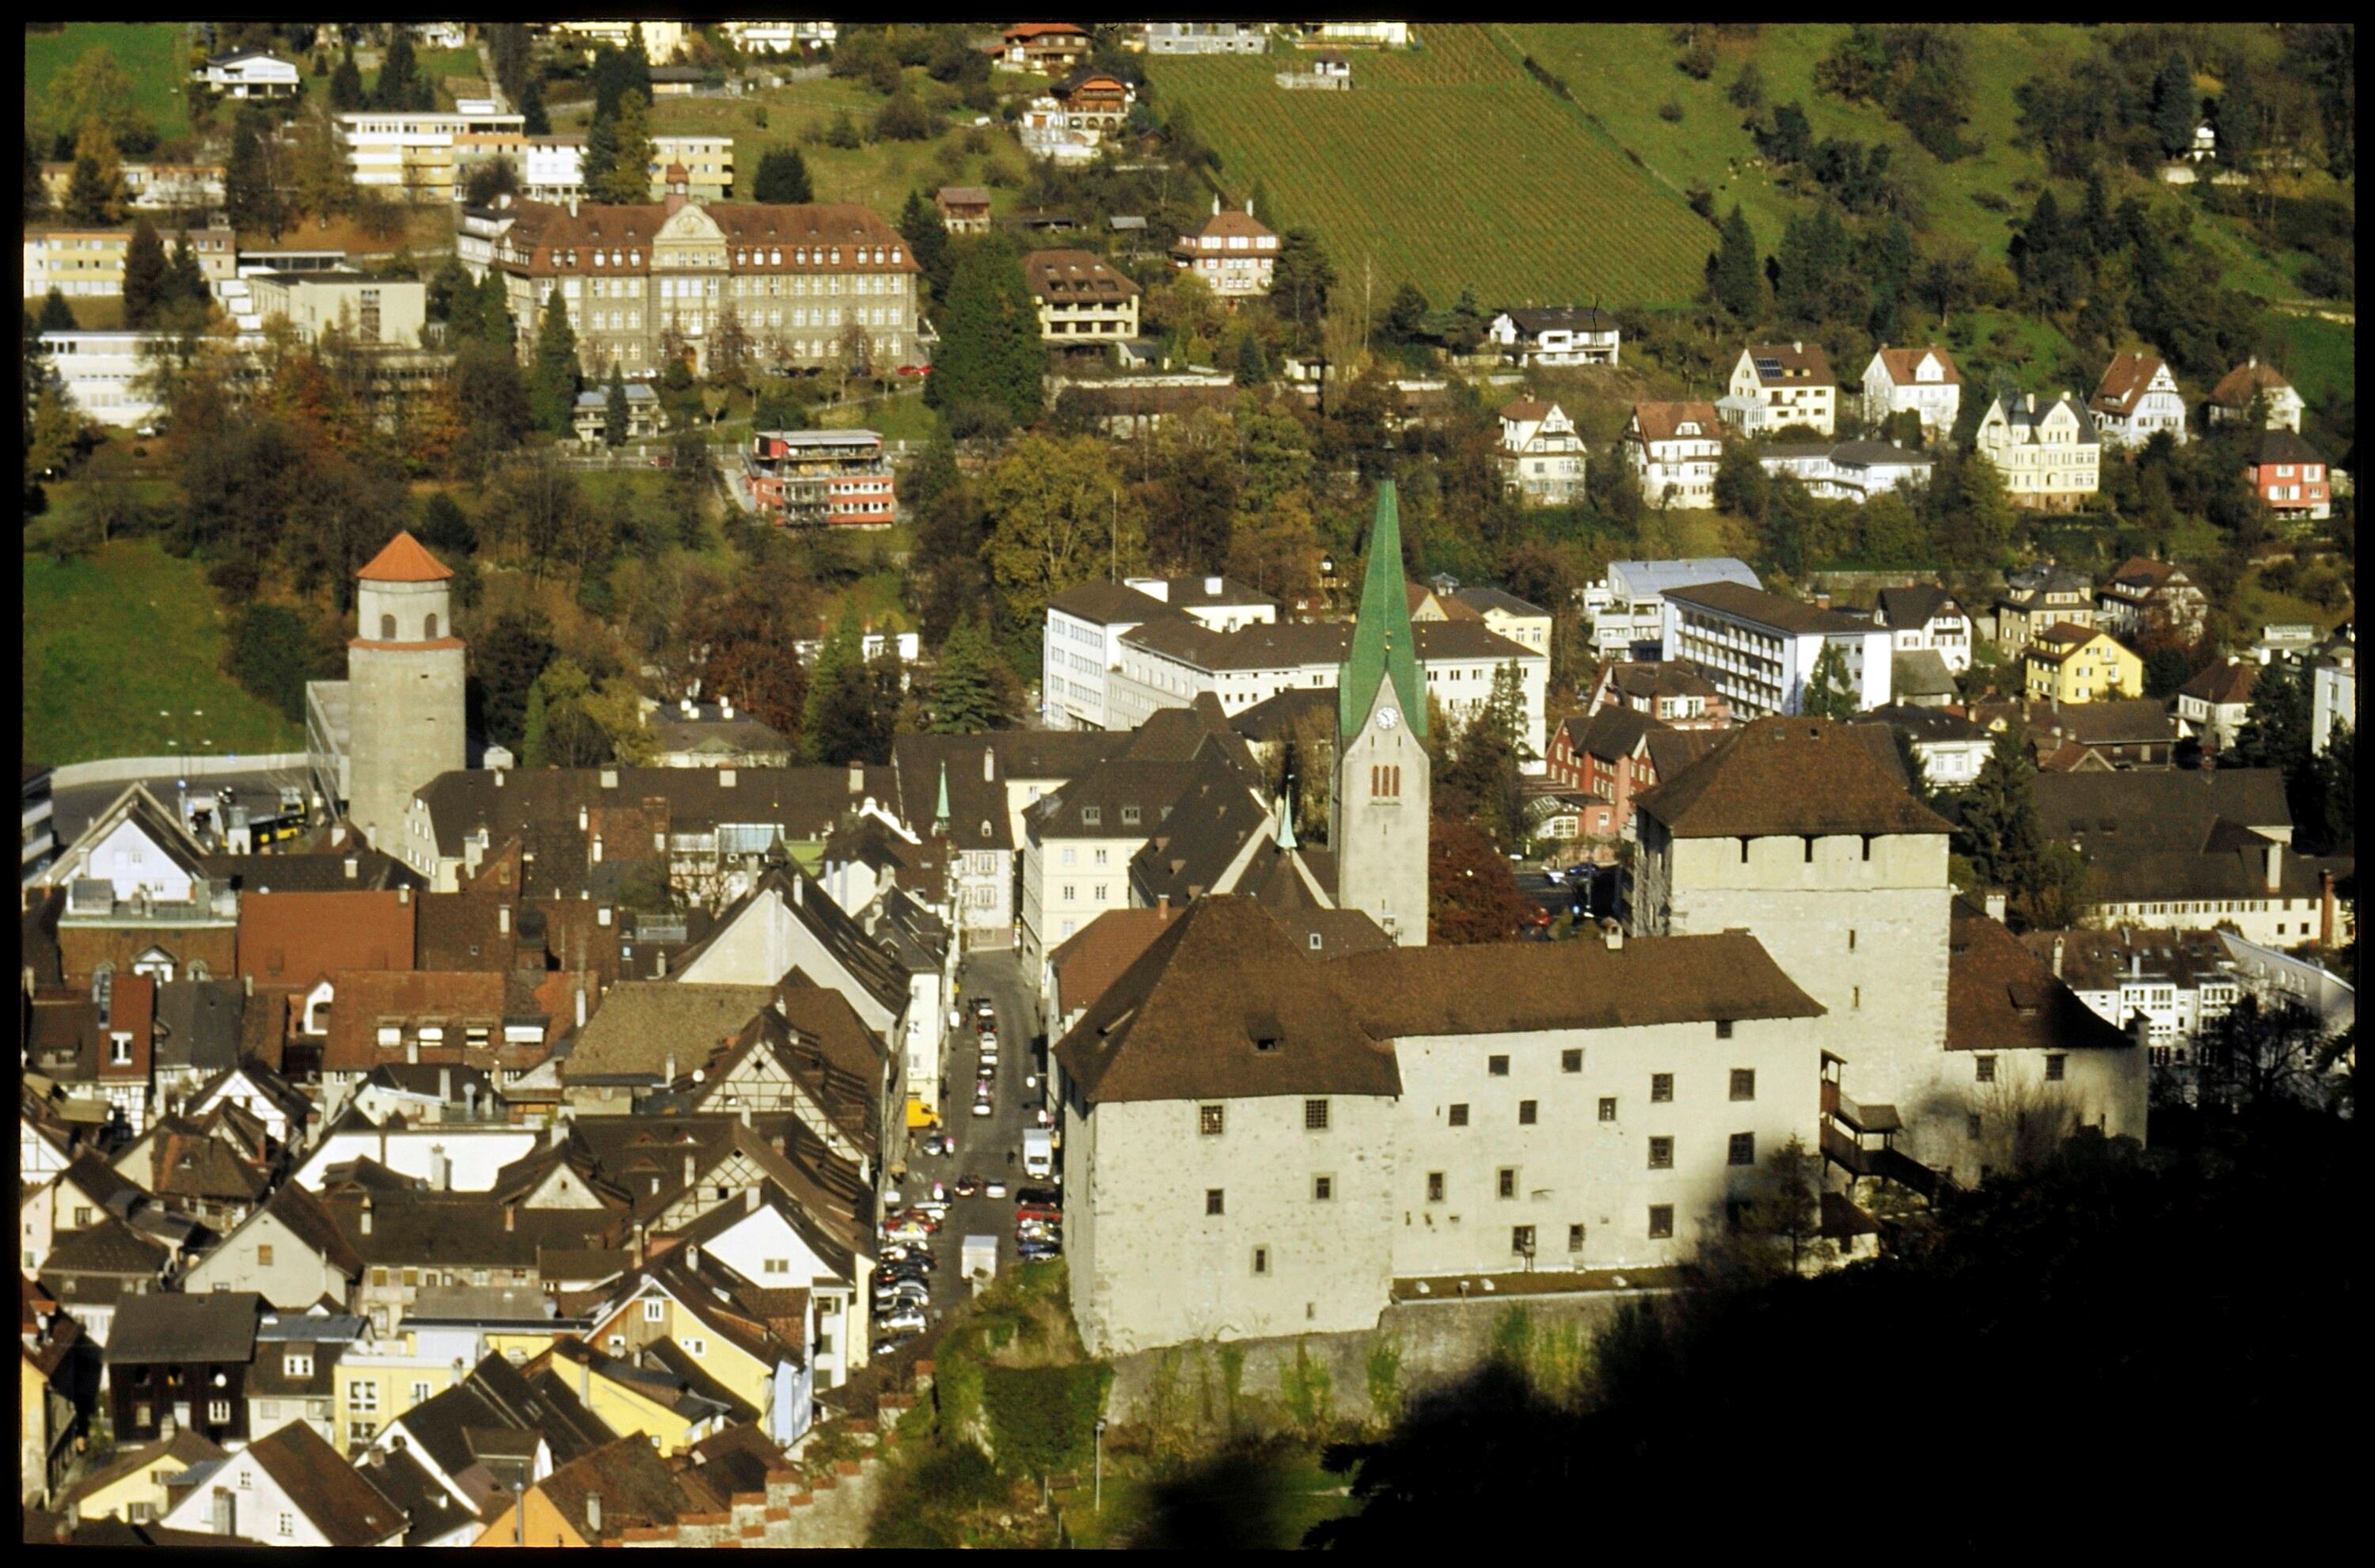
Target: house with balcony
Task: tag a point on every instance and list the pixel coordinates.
(2144, 597)
(1851, 470)
(2136, 400)
(2214, 704)
(1555, 334)
(2079, 664)
(1080, 299)
(1628, 610)
(2036, 597)
(965, 209)
(838, 478)
(2049, 456)
(1234, 254)
(1673, 448)
(248, 73)
(1760, 649)
(1776, 386)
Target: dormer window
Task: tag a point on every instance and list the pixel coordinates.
(1129, 814)
(1091, 816)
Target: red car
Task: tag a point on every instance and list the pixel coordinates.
(915, 370)
(1040, 1212)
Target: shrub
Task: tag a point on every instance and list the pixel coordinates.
(1385, 1369)
(1043, 1420)
(1670, 110)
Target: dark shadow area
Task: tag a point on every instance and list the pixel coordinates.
(1235, 1501)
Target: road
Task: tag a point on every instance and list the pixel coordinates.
(987, 1145)
(73, 808)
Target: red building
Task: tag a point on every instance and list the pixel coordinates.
(2291, 476)
(836, 477)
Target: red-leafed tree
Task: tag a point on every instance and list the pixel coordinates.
(1471, 896)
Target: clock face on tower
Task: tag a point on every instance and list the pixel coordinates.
(1387, 718)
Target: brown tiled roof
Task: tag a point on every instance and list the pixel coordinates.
(313, 871)
(1613, 732)
(1902, 362)
(364, 1000)
(1516, 987)
(1223, 1005)
(540, 229)
(1075, 274)
(2098, 961)
(464, 930)
(1801, 364)
(292, 939)
(2238, 386)
(2224, 683)
(1765, 608)
(131, 1010)
(2121, 721)
(301, 1212)
(1999, 997)
(405, 559)
(631, 1479)
(1096, 955)
(964, 196)
(2062, 639)
(1228, 223)
(1527, 409)
(1786, 775)
(1658, 421)
(2124, 381)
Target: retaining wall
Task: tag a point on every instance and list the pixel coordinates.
(123, 770)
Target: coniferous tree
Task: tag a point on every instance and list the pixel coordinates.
(538, 123)
(627, 179)
(1999, 833)
(249, 198)
(56, 314)
(614, 410)
(968, 693)
(1253, 365)
(1737, 281)
(145, 272)
(185, 280)
(346, 84)
(601, 153)
(837, 719)
(553, 381)
(782, 177)
(2174, 107)
(36, 194)
(400, 84)
(927, 241)
(991, 351)
(90, 198)
(1828, 694)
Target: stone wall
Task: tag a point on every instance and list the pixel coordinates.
(809, 1504)
(1435, 1340)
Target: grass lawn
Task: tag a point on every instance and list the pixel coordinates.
(96, 312)
(155, 55)
(112, 641)
(2323, 363)
(2258, 604)
(1306, 1494)
(900, 417)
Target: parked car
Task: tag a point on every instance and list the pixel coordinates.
(664, 461)
(994, 1188)
(989, 1040)
(906, 1252)
(968, 1185)
(1044, 1196)
(1042, 1117)
(905, 1233)
(1037, 1252)
(984, 1007)
(1038, 1211)
(981, 1107)
(910, 1319)
(890, 1274)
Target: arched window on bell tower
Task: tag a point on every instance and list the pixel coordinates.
(429, 628)
(387, 629)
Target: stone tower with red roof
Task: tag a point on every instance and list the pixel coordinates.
(403, 689)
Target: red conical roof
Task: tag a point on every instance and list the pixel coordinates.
(404, 561)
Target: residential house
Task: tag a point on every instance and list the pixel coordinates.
(2231, 399)
(1541, 452)
(1368, 35)
(1080, 297)
(645, 1395)
(2036, 597)
(1776, 386)
(590, 417)
(1628, 610)
(292, 1489)
(594, 1500)
(1206, 38)
(489, 1431)
(661, 39)
(2174, 981)
(2137, 399)
(248, 73)
(1231, 251)
(1606, 755)
(53, 1384)
(1677, 694)
(370, 311)
(2333, 690)
(1504, 615)
(1926, 618)
(196, 1034)
(1559, 335)
(416, 156)
(965, 209)
(734, 1349)
(2079, 664)
(1760, 649)
(2214, 704)
(2179, 849)
(1085, 626)
(2281, 980)
(214, 1168)
(2145, 597)
(780, 36)
(1950, 749)
(1080, 838)
(2049, 456)
(1923, 382)
(2290, 476)
(183, 1360)
(287, 1114)
(1049, 48)
(105, 374)
(1850, 470)
(136, 1484)
(138, 900)
(840, 478)
(1094, 100)
(1673, 448)
(299, 1359)
(2112, 733)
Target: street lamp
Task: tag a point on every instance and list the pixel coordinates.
(1097, 1498)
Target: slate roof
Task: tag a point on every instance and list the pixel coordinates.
(2169, 810)
(976, 803)
(338, 1499)
(2100, 961)
(1534, 320)
(1765, 608)
(1792, 776)
(2025, 419)
(1929, 725)
(1207, 830)
(496, 1396)
(218, 1328)
(198, 1025)
(429, 1509)
(1612, 733)
(311, 871)
(2000, 996)
(2124, 721)
(1186, 1021)
(1513, 988)
(1274, 718)
(1147, 788)
(1481, 599)
(2282, 446)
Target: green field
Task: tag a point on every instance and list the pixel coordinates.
(2324, 362)
(112, 641)
(1448, 167)
(155, 55)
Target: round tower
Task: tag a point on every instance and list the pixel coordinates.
(405, 699)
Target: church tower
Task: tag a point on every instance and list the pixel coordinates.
(1380, 803)
(403, 689)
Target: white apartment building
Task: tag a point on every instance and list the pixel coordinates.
(1775, 385)
(2050, 458)
(387, 310)
(415, 153)
(1760, 649)
(102, 374)
(2334, 693)
(1628, 607)
(1080, 297)
(1673, 448)
(2176, 981)
(779, 37)
(1853, 470)
(1169, 663)
(1085, 626)
(1077, 844)
(1924, 380)
(2137, 399)
(661, 39)
(1541, 452)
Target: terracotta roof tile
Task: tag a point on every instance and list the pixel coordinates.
(1790, 776)
(292, 940)
(1661, 421)
(405, 559)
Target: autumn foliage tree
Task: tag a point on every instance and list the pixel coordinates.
(1471, 896)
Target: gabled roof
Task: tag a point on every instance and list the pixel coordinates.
(179, 1451)
(198, 1024)
(429, 1509)
(1612, 733)
(107, 1247)
(2238, 386)
(1903, 364)
(1917, 606)
(634, 1482)
(1788, 776)
(1107, 603)
(405, 559)
(218, 1327)
(365, 999)
(155, 820)
(1789, 364)
(1514, 988)
(1223, 1005)
(497, 1396)
(1058, 277)
(1534, 320)
(2144, 808)
(2282, 445)
(2125, 380)
(1919, 672)
(1662, 421)
(1096, 956)
(2223, 684)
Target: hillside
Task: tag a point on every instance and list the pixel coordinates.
(154, 54)
(1445, 166)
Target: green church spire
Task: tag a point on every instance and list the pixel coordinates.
(1286, 821)
(940, 812)
(1383, 648)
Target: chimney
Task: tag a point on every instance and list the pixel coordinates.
(1822, 600)
(1163, 909)
(581, 1003)
(2029, 400)
(693, 1255)
(444, 1086)
(1994, 899)
(1216, 204)
(503, 920)
(353, 865)
(594, 1499)
(726, 778)
(1212, 585)
(511, 1218)
(688, 1169)
(1797, 346)
(2057, 957)
(858, 778)
(798, 883)
(499, 778)
(601, 915)
(636, 1250)
(247, 984)
(685, 706)
(367, 1211)
(597, 849)
(1249, 206)
(2275, 867)
(670, 1072)
(989, 766)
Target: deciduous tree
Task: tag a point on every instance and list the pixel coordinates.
(1471, 895)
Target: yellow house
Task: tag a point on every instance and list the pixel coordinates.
(377, 1385)
(723, 1337)
(662, 1397)
(2077, 664)
(133, 1487)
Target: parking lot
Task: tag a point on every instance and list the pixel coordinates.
(987, 1147)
